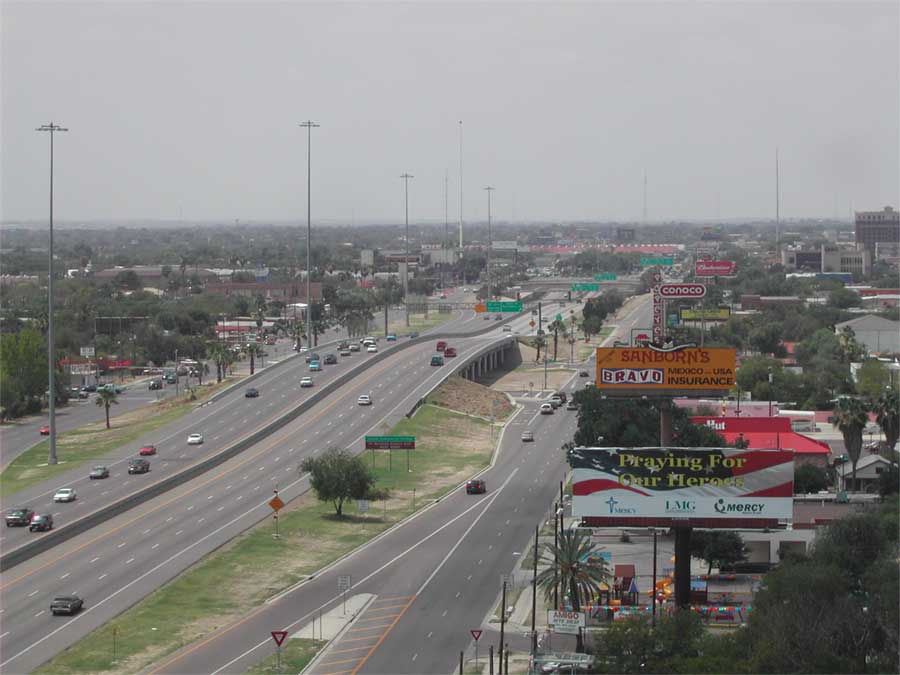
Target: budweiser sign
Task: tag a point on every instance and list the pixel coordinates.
(688, 291)
(714, 268)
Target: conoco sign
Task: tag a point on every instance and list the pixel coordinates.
(689, 291)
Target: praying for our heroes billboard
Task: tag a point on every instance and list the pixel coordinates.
(663, 486)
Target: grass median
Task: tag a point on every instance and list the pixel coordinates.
(94, 441)
(254, 566)
(295, 656)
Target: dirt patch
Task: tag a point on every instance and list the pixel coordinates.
(471, 398)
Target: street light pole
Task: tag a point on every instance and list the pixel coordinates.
(51, 358)
(406, 178)
(490, 296)
(308, 125)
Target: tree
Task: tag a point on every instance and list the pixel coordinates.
(253, 350)
(337, 475)
(557, 327)
(23, 372)
(202, 369)
(887, 415)
(850, 418)
(539, 342)
(872, 378)
(809, 479)
(106, 397)
(842, 298)
(566, 564)
(717, 548)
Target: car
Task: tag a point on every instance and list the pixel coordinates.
(571, 405)
(371, 349)
(44, 430)
(441, 346)
(66, 604)
(527, 435)
(252, 392)
(354, 347)
(90, 387)
(583, 373)
(498, 317)
(555, 401)
(20, 515)
(306, 381)
(562, 396)
(65, 495)
(487, 317)
(195, 439)
(546, 409)
(330, 360)
(345, 351)
(476, 486)
(138, 466)
(147, 451)
(507, 329)
(343, 344)
(414, 334)
(589, 383)
(391, 337)
(314, 366)
(99, 473)
(364, 399)
(81, 393)
(171, 379)
(437, 360)
(41, 523)
(450, 352)
(312, 356)
(270, 341)
(155, 384)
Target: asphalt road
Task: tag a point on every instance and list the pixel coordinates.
(116, 564)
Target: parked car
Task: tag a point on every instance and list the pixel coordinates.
(147, 451)
(252, 392)
(498, 317)
(65, 495)
(437, 360)
(364, 399)
(195, 439)
(20, 515)
(44, 430)
(90, 387)
(99, 473)
(66, 604)
(441, 346)
(41, 523)
(330, 359)
(138, 466)
(527, 435)
(476, 486)
(306, 381)
(450, 352)
(546, 409)
(487, 317)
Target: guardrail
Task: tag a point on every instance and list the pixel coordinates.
(58, 536)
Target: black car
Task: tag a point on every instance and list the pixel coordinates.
(19, 516)
(476, 487)
(414, 334)
(98, 473)
(251, 393)
(138, 466)
(583, 373)
(330, 360)
(41, 523)
(312, 356)
(155, 384)
(66, 604)
(90, 387)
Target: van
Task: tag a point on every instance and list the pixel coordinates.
(441, 346)
(437, 360)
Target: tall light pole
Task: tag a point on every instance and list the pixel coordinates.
(308, 125)
(51, 357)
(406, 178)
(490, 295)
(460, 192)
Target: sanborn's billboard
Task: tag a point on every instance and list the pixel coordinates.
(644, 370)
(705, 487)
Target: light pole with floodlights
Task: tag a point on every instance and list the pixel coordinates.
(51, 360)
(406, 178)
(490, 296)
(308, 125)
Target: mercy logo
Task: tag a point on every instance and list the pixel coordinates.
(614, 510)
(612, 503)
(721, 507)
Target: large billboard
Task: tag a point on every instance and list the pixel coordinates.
(630, 371)
(714, 268)
(706, 314)
(664, 487)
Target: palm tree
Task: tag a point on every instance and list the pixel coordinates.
(253, 350)
(887, 415)
(106, 397)
(539, 343)
(850, 417)
(557, 327)
(216, 352)
(566, 563)
(202, 369)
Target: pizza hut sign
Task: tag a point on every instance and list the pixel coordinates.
(682, 291)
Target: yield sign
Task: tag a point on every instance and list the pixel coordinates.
(475, 634)
(278, 636)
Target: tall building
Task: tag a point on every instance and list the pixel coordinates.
(877, 226)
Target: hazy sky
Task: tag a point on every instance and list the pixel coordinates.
(190, 110)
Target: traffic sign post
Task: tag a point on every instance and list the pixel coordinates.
(276, 505)
(278, 636)
(585, 287)
(664, 262)
(345, 583)
(606, 276)
(390, 442)
(512, 306)
(475, 635)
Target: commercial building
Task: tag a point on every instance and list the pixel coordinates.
(873, 227)
(289, 292)
(828, 259)
(877, 334)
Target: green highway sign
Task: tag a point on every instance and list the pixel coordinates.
(585, 287)
(664, 262)
(390, 442)
(606, 276)
(559, 317)
(504, 306)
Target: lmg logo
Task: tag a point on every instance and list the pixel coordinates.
(680, 506)
(721, 507)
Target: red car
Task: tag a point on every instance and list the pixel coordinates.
(441, 346)
(449, 351)
(147, 450)
(45, 431)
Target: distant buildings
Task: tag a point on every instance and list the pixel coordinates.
(828, 258)
(873, 227)
(285, 292)
(877, 334)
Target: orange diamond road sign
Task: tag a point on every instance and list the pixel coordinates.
(276, 503)
(480, 308)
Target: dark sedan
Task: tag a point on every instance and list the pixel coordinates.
(251, 393)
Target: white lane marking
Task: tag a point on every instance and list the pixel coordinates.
(4, 635)
(39, 613)
(240, 497)
(201, 520)
(430, 633)
(190, 507)
(179, 532)
(220, 508)
(34, 592)
(101, 577)
(170, 519)
(147, 530)
(154, 546)
(129, 561)
(208, 498)
(64, 576)
(121, 545)
(95, 559)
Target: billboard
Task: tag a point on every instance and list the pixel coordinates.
(714, 268)
(678, 291)
(565, 622)
(701, 487)
(445, 256)
(630, 371)
(504, 245)
(367, 257)
(708, 314)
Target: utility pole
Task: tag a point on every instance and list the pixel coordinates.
(490, 295)
(644, 219)
(460, 191)
(777, 201)
(51, 356)
(308, 125)
(534, 593)
(406, 178)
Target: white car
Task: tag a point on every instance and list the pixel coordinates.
(64, 495)
(546, 409)
(371, 349)
(507, 329)
(306, 382)
(364, 399)
(195, 439)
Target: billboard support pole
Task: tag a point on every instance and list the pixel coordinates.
(682, 534)
(653, 584)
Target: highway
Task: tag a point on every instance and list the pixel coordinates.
(116, 564)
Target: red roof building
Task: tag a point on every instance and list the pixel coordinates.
(771, 433)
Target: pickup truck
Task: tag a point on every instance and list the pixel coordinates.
(19, 516)
(66, 604)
